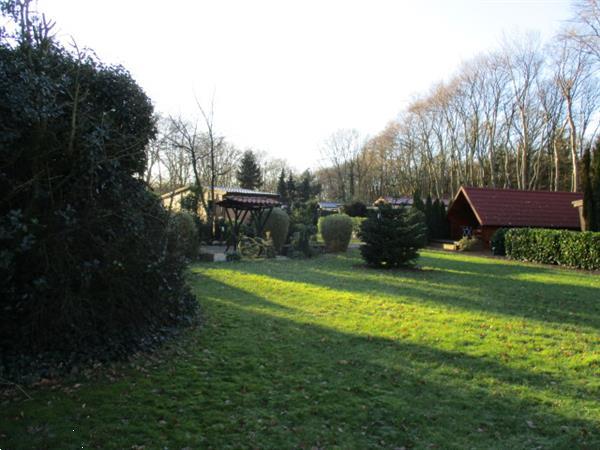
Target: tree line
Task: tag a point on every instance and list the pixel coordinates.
(520, 116)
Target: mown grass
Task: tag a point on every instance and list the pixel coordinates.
(466, 353)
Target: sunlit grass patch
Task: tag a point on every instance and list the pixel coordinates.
(467, 352)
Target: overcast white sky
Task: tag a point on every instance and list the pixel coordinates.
(285, 74)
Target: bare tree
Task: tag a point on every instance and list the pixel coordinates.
(343, 150)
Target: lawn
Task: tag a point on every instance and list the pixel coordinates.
(467, 352)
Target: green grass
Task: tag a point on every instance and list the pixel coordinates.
(466, 353)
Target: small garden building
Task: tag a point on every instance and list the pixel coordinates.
(481, 211)
(172, 200)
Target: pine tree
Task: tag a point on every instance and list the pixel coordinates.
(249, 174)
(392, 237)
(282, 188)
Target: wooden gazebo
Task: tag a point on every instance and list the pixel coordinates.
(239, 208)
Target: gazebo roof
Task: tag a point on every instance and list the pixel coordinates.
(248, 202)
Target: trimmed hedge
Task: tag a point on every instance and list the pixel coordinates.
(336, 231)
(562, 247)
(278, 225)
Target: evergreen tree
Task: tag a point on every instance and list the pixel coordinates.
(291, 188)
(589, 216)
(595, 186)
(443, 221)
(418, 201)
(304, 191)
(392, 236)
(282, 187)
(429, 216)
(308, 188)
(249, 174)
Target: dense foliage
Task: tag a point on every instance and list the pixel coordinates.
(392, 237)
(497, 242)
(355, 209)
(293, 192)
(278, 225)
(435, 216)
(86, 259)
(591, 188)
(562, 247)
(184, 234)
(336, 231)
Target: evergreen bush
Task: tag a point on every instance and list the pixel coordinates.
(393, 237)
(355, 209)
(498, 242)
(278, 225)
(336, 231)
(184, 234)
(88, 266)
(568, 248)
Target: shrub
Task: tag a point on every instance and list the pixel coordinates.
(392, 237)
(336, 231)
(88, 265)
(184, 230)
(562, 247)
(302, 241)
(278, 225)
(468, 244)
(497, 242)
(355, 209)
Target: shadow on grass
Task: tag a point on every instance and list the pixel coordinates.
(491, 286)
(386, 393)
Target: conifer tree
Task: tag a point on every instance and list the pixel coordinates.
(393, 236)
(249, 174)
(418, 201)
(282, 187)
(595, 186)
(429, 216)
(589, 216)
(291, 188)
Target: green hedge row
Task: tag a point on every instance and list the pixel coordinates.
(562, 247)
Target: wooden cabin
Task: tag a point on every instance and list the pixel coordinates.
(481, 211)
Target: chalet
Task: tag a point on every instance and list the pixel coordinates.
(481, 211)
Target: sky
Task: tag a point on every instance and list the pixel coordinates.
(284, 75)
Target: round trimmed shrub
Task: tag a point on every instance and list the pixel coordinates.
(278, 225)
(336, 231)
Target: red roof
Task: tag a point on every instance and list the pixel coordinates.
(513, 207)
(250, 201)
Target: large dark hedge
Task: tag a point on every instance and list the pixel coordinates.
(86, 256)
(562, 247)
(392, 237)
